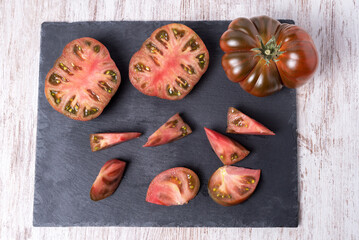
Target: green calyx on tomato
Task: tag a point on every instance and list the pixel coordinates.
(270, 51)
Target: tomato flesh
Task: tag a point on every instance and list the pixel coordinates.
(83, 80)
(227, 150)
(169, 63)
(175, 186)
(231, 185)
(262, 55)
(107, 180)
(175, 128)
(101, 141)
(239, 123)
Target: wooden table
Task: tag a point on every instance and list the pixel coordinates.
(328, 112)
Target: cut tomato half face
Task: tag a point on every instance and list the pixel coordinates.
(107, 180)
(239, 123)
(231, 185)
(175, 186)
(227, 150)
(175, 128)
(83, 80)
(169, 63)
(101, 141)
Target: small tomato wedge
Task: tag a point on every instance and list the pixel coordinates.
(175, 128)
(175, 186)
(101, 141)
(239, 123)
(83, 80)
(227, 150)
(107, 180)
(231, 185)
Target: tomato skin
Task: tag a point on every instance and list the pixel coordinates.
(101, 141)
(227, 150)
(107, 180)
(230, 185)
(169, 63)
(83, 80)
(239, 123)
(175, 186)
(295, 65)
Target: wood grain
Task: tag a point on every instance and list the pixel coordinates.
(328, 113)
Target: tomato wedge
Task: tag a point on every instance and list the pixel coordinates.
(169, 63)
(239, 123)
(175, 128)
(83, 80)
(175, 186)
(231, 185)
(227, 150)
(107, 180)
(101, 141)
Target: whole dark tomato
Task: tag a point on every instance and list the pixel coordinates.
(262, 55)
(175, 186)
(169, 63)
(83, 80)
(231, 185)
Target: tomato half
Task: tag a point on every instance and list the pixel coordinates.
(101, 141)
(239, 123)
(227, 150)
(175, 128)
(83, 80)
(107, 180)
(231, 185)
(175, 186)
(169, 63)
(262, 55)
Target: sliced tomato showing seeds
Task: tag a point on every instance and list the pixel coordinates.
(231, 185)
(227, 150)
(239, 123)
(107, 180)
(175, 128)
(83, 80)
(175, 186)
(169, 63)
(101, 141)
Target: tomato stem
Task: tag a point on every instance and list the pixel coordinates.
(269, 51)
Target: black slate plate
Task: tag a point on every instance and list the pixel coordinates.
(66, 167)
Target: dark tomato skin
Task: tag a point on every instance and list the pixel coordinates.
(230, 185)
(175, 186)
(293, 67)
